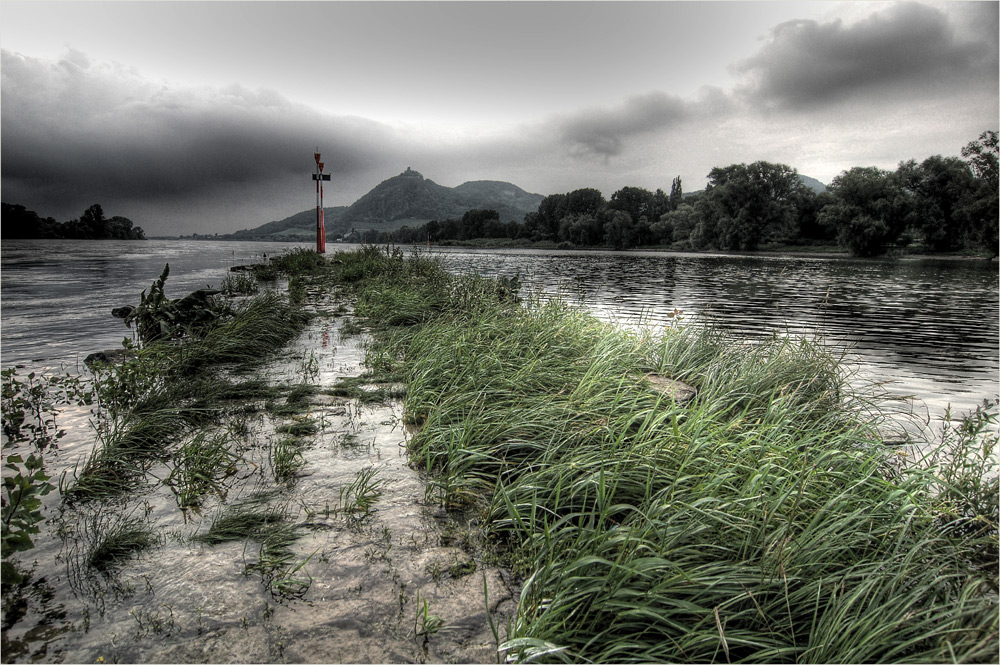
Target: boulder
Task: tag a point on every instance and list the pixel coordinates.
(107, 357)
(678, 391)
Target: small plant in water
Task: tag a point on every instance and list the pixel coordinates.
(202, 466)
(286, 459)
(119, 538)
(362, 493)
(240, 283)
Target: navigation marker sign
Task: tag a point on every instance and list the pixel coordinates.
(319, 177)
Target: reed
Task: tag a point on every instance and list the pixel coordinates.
(203, 465)
(258, 518)
(286, 459)
(251, 518)
(359, 497)
(241, 283)
(166, 391)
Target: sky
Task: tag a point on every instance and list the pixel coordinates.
(202, 117)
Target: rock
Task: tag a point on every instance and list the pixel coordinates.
(122, 312)
(108, 357)
(195, 298)
(679, 391)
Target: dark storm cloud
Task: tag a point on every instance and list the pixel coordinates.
(908, 48)
(602, 132)
(76, 133)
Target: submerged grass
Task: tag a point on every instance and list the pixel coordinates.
(203, 465)
(763, 521)
(117, 538)
(163, 392)
(257, 518)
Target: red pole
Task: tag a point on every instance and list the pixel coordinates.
(320, 228)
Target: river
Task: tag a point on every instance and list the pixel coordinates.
(926, 327)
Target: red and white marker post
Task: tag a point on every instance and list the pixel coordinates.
(319, 177)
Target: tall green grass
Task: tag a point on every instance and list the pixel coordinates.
(764, 521)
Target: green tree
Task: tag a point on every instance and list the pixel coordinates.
(941, 187)
(586, 201)
(122, 228)
(619, 229)
(676, 193)
(544, 224)
(474, 223)
(753, 203)
(869, 210)
(675, 227)
(984, 157)
(635, 201)
(811, 228)
(659, 205)
(584, 230)
(981, 212)
(94, 224)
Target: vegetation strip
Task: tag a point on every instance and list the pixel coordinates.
(764, 520)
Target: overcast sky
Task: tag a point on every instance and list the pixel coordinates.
(203, 116)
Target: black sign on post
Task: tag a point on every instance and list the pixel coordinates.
(321, 176)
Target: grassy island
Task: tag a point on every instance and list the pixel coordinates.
(764, 520)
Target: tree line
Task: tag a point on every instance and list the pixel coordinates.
(942, 204)
(18, 222)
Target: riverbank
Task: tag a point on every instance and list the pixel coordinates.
(763, 519)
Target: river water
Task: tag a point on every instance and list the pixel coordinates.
(927, 327)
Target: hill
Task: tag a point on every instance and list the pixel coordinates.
(413, 199)
(407, 199)
(812, 183)
(299, 227)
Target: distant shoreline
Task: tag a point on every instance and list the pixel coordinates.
(797, 251)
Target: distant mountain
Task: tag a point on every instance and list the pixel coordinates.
(412, 199)
(812, 183)
(300, 226)
(408, 199)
